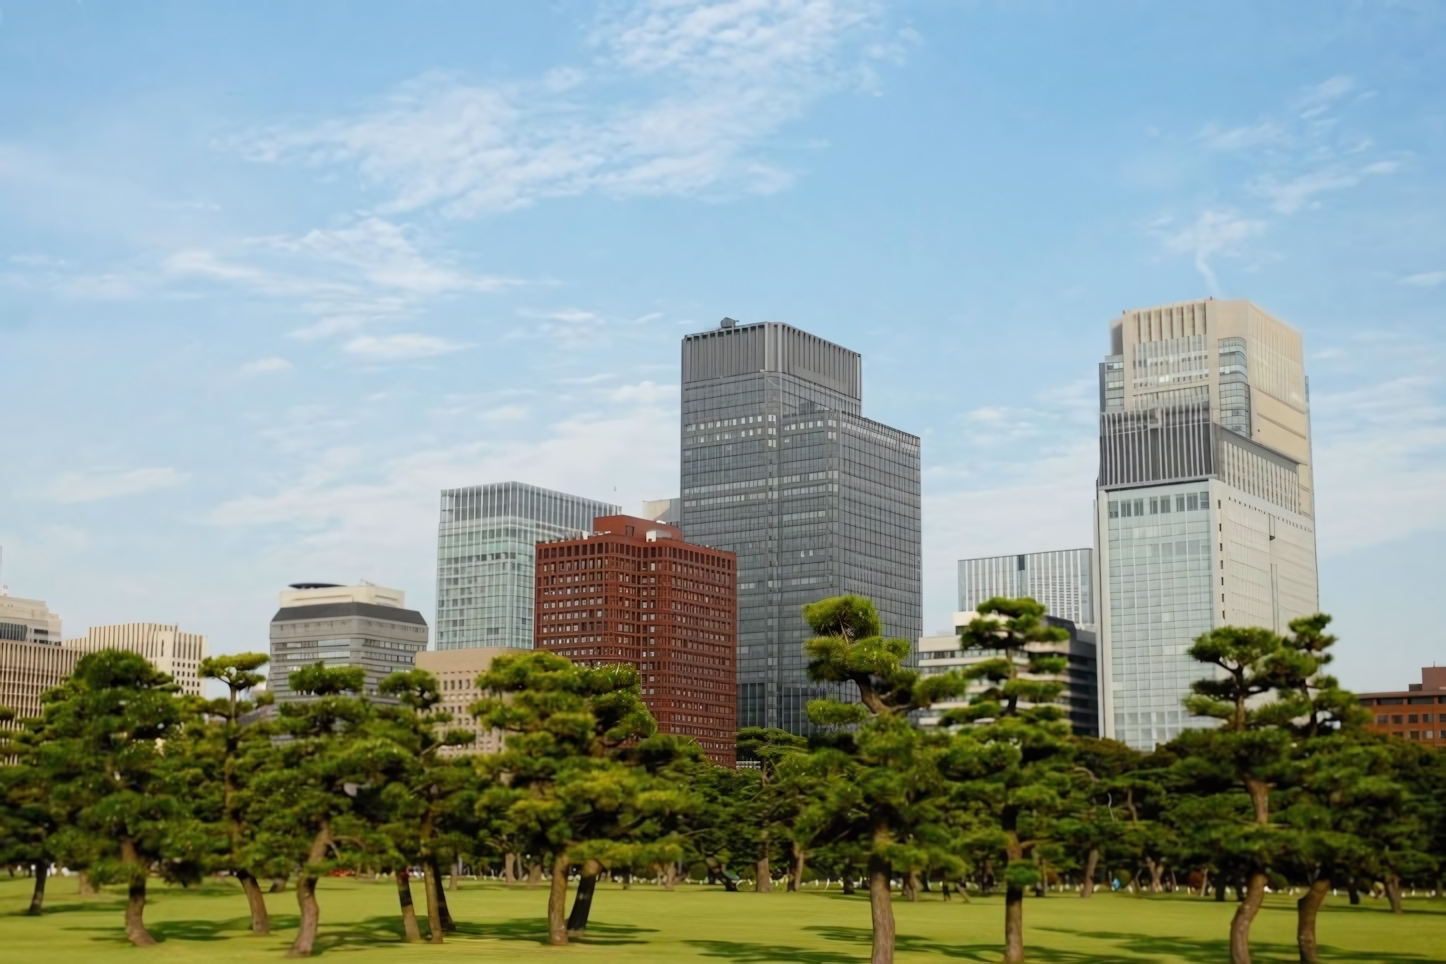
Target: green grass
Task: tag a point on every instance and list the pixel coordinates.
(359, 922)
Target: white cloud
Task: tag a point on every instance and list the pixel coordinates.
(647, 393)
(1213, 234)
(1262, 134)
(1428, 279)
(680, 102)
(73, 487)
(505, 413)
(397, 347)
(264, 365)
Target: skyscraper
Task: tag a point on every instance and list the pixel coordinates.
(780, 467)
(486, 544)
(1063, 580)
(1204, 514)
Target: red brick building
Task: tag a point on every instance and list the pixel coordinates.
(1417, 713)
(635, 592)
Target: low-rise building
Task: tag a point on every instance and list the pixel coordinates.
(28, 621)
(1080, 699)
(456, 671)
(367, 626)
(164, 645)
(31, 657)
(1416, 713)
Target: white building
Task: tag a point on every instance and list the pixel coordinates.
(164, 646)
(1062, 580)
(367, 626)
(28, 621)
(1205, 511)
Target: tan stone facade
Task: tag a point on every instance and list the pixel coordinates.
(457, 671)
(166, 647)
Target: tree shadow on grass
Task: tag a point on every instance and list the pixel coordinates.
(1196, 951)
(534, 930)
(71, 905)
(980, 951)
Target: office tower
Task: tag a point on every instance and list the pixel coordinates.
(1080, 699)
(28, 621)
(780, 467)
(634, 592)
(485, 548)
(1416, 713)
(164, 646)
(1204, 514)
(367, 626)
(663, 510)
(32, 659)
(1063, 580)
(456, 671)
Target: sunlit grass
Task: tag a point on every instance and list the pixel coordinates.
(695, 923)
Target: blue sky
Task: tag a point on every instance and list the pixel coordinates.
(273, 275)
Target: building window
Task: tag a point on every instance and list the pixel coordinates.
(1114, 510)
(1382, 719)
(1413, 718)
(1191, 502)
(1397, 719)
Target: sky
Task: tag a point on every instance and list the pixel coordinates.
(273, 275)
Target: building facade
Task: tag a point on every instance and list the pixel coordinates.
(28, 621)
(1204, 513)
(175, 653)
(486, 545)
(366, 626)
(28, 669)
(780, 467)
(1416, 713)
(1080, 699)
(1062, 580)
(456, 671)
(634, 592)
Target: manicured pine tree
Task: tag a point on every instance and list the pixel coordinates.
(882, 780)
(1255, 696)
(777, 798)
(558, 781)
(100, 751)
(1089, 827)
(310, 796)
(1017, 708)
(30, 817)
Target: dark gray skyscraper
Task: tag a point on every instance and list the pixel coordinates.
(780, 467)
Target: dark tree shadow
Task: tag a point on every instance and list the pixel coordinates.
(1197, 951)
(534, 930)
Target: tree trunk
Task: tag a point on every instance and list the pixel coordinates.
(582, 900)
(1155, 873)
(443, 914)
(911, 886)
(1354, 892)
(260, 919)
(1220, 887)
(1393, 893)
(278, 884)
(557, 902)
(848, 882)
(534, 874)
(1244, 915)
(453, 873)
(509, 868)
(763, 876)
(881, 907)
(136, 897)
(86, 887)
(37, 896)
(1306, 910)
(670, 875)
(1092, 862)
(409, 911)
(795, 879)
(1013, 923)
(431, 892)
(306, 894)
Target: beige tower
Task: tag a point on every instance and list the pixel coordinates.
(164, 646)
(1205, 509)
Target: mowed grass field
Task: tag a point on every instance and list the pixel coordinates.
(359, 922)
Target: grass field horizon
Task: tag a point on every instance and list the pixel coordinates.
(360, 922)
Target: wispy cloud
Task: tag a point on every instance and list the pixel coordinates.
(680, 101)
(1212, 234)
(73, 487)
(1428, 279)
(400, 347)
(263, 366)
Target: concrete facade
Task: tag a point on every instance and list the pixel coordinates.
(1204, 513)
(26, 671)
(366, 626)
(1417, 713)
(1062, 580)
(456, 671)
(164, 645)
(28, 621)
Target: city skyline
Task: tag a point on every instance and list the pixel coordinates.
(255, 332)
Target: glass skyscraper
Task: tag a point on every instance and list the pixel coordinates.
(486, 547)
(1204, 513)
(780, 467)
(1063, 580)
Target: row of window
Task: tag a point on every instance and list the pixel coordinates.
(1159, 505)
(1410, 718)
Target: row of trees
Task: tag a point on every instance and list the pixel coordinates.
(123, 779)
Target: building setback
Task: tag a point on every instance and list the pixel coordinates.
(780, 467)
(1062, 580)
(1415, 713)
(456, 671)
(634, 592)
(366, 626)
(28, 621)
(164, 645)
(1204, 513)
(486, 543)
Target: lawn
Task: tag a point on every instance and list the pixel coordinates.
(359, 923)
